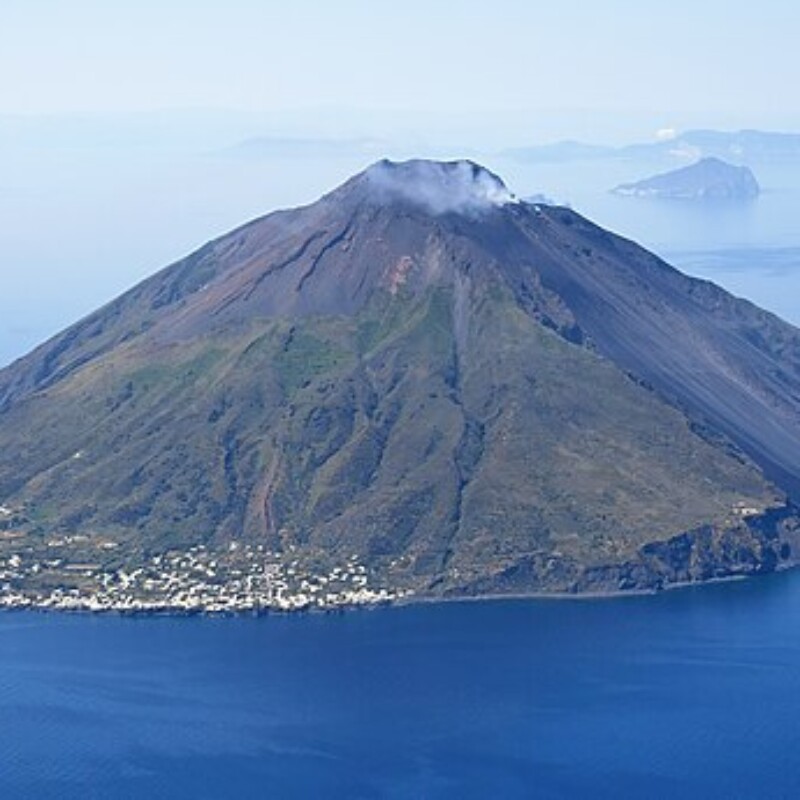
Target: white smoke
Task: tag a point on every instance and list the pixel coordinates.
(440, 187)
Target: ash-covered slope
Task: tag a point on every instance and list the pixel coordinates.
(469, 393)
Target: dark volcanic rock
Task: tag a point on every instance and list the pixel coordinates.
(756, 545)
(470, 393)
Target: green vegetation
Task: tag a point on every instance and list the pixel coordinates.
(304, 357)
(438, 468)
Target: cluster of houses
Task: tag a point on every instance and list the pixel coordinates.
(243, 578)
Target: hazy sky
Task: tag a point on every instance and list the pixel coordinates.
(712, 56)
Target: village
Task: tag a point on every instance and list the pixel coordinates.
(241, 578)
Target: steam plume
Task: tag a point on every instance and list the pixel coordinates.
(440, 187)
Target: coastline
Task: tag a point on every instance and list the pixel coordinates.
(406, 600)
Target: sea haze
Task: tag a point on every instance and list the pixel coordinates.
(691, 693)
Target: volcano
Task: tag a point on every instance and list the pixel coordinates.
(471, 394)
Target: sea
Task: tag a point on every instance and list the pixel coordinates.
(692, 693)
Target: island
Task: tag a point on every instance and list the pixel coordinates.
(419, 387)
(706, 179)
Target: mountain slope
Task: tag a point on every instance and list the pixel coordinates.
(467, 393)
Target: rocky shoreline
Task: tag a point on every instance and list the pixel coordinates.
(752, 545)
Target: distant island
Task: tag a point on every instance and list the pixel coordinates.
(737, 146)
(707, 179)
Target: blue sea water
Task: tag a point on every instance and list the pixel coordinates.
(692, 693)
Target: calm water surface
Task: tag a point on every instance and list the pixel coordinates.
(694, 693)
